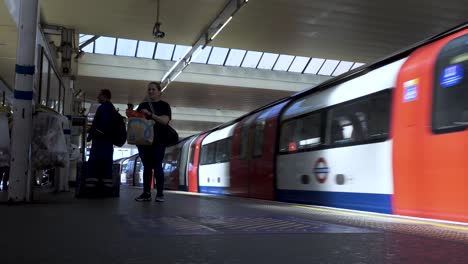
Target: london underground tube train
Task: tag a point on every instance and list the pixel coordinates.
(390, 137)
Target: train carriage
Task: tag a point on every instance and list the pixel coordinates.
(214, 165)
(334, 145)
(390, 137)
(253, 154)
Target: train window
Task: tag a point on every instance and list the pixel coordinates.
(301, 133)
(208, 153)
(203, 154)
(349, 123)
(258, 146)
(192, 155)
(379, 115)
(229, 149)
(450, 104)
(287, 134)
(244, 142)
(222, 150)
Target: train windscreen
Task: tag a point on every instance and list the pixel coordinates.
(450, 106)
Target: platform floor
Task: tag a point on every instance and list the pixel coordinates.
(210, 229)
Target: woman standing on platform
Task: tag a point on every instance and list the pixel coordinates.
(152, 156)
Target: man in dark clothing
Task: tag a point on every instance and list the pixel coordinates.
(102, 149)
(152, 156)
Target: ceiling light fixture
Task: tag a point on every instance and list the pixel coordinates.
(230, 10)
(173, 78)
(221, 28)
(170, 70)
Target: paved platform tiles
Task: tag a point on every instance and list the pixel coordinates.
(206, 229)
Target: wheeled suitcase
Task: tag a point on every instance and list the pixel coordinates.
(90, 186)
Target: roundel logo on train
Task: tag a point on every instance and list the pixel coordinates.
(321, 170)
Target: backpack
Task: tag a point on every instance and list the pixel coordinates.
(119, 132)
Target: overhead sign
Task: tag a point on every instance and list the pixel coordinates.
(451, 75)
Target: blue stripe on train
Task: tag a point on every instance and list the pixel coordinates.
(379, 203)
(214, 190)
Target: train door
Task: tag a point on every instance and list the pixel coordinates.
(243, 166)
(239, 164)
(257, 179)
(430, 153)
(174, 170)
(253, 151)
(184, 156)
(170, 163)
(261, 171)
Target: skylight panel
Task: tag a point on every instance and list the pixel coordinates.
(105, 45)
(343, 67)
(298, 64)
(84, 38)
(251, 59)
(357, 65)
(180, 52)
(164, 51)
(235, 57)
(283, 63)
(328, 67)
(145, 49)
(314, 66)
(218, 56)
(267, 61)
(90, 47)
(202, 57)
(126, 47)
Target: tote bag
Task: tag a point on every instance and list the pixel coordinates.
(139, 130)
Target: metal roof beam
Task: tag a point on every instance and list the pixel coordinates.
(89, 41)
(223, 18)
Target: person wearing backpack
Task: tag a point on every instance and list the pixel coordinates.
(152, 156)
(101, 134)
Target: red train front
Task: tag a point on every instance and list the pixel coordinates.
(430, 117)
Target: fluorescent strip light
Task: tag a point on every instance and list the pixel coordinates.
(221, 28)
(172, 79)
(172, 68)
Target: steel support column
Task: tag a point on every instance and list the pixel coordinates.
(20, 188)
(66, 48)
(64, 173)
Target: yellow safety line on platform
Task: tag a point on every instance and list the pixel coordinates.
(409, 221)
(381, 217)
